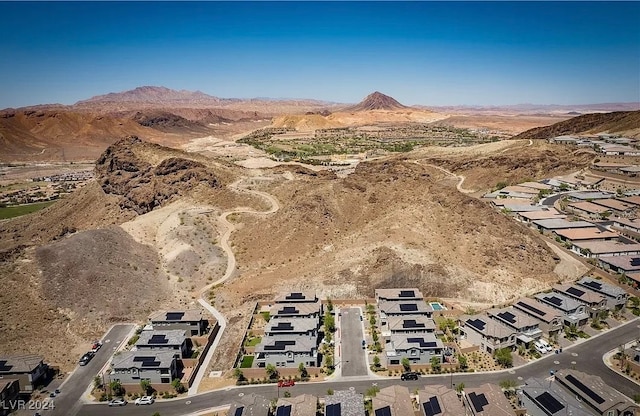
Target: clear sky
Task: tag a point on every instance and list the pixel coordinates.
(431, 53)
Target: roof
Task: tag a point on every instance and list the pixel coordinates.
(415, 307)
(439, 396)
(593, 233)
(344, 403)
(590, 195)
(552, 399)
(405, 342)
(396, 398)
(250, 404)
(149, 360)
(410, 323)
(487, 326)
(294, 309)
(189, 315)
(559, 301)
(607, 247)
(628, 223)
(578, 292)
(302, 405)
(634, 168)
(626, 263)
(536, 185)
(488, 400)
(287, 343)
(559, 224)
(589, 207)
(602, 287)
(539, 310)
(593, 390)
(513, 201)
(513, 317)
(611, 165)
(542, 215)
(617, 148)
(301, 296)
(290, 325)
(613, 204)
(6, 382)
(162, 338)
(20, 363)
(635, 200)
(399, 294)
(519, 189)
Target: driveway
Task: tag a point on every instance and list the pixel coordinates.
(353, 355)
(69, 401)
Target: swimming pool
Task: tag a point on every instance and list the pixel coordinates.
(437, 306)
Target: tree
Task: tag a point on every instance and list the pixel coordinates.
(376, 361)
(435, 364)
(287, 394)
(329, 323)
(372, 391)
(303, 371)
(328, 361)
(509, 386)
(178, 386)
(145, 385)
(462, 360)
(97, 382)
(564, 187)
(460, 388)
(329, 305)
(116, 388)
(503, 357)
(330, 392)
(237, 373)
(406, 364)
(272, 372)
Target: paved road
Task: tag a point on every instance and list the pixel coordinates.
(68, 402)
(588, 358)
(351, 336)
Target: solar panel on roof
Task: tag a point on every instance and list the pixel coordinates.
(531, 309)
(147, 361)
(283, 326)
(239, 411)
(575, 291)
(174, 316)
(432, 407)
(593, 284)
(158, 339)
(279, 345)
(422, 342)
(295, 295)
(477, 324)
(4, 366)
(333, 410)
(283, 410)
(408, 307)
(554, 299)
(586, 390)
(407, 293)
(508, 316)
(411, 323)
(384, 411)
(550, 403)
(289, 309)
(479, 401)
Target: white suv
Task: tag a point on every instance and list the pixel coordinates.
(539, 347)
(144, 400)
(546, 345)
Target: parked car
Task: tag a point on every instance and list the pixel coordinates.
(545, 344)
(539, 347)
(286, 383)
(364, 344)
(86, 358)
(96, 346)
(118, 401)
(144, 400)
(410, 375)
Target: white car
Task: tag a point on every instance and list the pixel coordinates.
(144, 400)
(539, 347)
(118, 402)
(546, 345)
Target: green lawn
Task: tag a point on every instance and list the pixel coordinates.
(252, 342)
(247, 361)
(18, 210)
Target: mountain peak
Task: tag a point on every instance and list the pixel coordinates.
(377, 101)
(152, 94)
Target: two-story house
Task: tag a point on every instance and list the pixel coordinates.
(287, 351)
(407, 324)
(130, 367)
(291, 326)
(527, 328)
(489, 334)
(487, 400)
(616, 297)
(171, 340)
(398, 295)
(401, 308)
(594, 301)
(30, 370)
(9, 391)
(573, 312)
(550, 319)
(417, 348)
(191, 321)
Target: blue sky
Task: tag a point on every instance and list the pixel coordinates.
(431, 53)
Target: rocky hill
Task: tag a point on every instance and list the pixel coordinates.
(377, 101)
(155, 95)
(621, 122)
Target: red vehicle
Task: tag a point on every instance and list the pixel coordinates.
(286, 383)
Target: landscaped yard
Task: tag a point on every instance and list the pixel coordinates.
(252, 342)
(247, 361)
(18, 210)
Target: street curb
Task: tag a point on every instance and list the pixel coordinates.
(605, 359)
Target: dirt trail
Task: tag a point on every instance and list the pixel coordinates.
(460, 177)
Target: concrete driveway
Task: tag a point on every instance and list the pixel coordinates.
(353, 355)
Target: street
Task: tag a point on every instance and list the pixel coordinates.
(353, 355)
(587, 357)
(68, 401)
